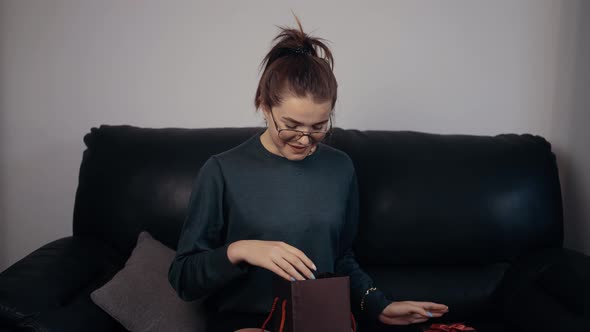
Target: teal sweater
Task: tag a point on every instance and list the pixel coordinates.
(249, 193)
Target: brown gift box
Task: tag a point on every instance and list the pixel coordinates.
(313, 305)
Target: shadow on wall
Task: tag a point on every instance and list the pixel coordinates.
(571, 119)
(3, 149)
(3, 167)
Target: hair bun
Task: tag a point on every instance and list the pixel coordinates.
(299, 64)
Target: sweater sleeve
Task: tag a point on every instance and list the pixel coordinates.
(201, 265)
(346, 263)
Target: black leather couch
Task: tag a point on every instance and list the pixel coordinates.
(474, 222)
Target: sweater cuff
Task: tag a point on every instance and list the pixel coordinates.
(224, 267)
(375, 302)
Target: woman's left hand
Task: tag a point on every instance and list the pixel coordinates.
(410, 312)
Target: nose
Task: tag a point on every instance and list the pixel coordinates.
(305, 138)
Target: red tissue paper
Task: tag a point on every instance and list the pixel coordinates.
(456, 327)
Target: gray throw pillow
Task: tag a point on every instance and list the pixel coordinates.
(140, 297)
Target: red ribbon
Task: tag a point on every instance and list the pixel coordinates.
(449, 328)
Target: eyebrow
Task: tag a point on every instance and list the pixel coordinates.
(299, 123)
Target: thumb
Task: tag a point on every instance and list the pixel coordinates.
(422, 311)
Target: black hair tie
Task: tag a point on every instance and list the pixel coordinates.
(301, 50)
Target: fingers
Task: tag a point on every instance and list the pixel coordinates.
(289, 262)
(421, 311)
(432, 314)
(431, 309)
(277, 259)
(298, 260)
(301, 256)
(278, 270)
(417, 318)
(299, 265)
(410, 312)
(425, 313)
(288, 268)
(437, 307)
(430, 305)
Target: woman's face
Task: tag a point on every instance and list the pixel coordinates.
(300, 113)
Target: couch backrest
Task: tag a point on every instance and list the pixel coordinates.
(425, 198)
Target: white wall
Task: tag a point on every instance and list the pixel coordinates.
(570, 133)
(455, 66)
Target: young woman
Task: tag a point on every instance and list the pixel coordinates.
(281, 202)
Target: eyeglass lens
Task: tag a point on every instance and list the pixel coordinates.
(288, 135)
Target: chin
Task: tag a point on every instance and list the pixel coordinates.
(296, 157)
(289, 154)
(292, 156)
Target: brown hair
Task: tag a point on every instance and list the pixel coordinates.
(294, 66)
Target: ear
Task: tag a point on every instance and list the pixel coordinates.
(265, 112)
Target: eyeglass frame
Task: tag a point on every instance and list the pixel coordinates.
(301, 133)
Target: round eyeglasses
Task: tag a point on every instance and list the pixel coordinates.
(287, 134)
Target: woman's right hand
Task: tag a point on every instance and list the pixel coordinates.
(275, 256)
(411, 312)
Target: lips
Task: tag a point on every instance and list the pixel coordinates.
(297, 148)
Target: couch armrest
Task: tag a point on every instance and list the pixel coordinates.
(55, 281)
(567, 281)
(548, 291)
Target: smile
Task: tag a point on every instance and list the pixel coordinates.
(298, 148)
